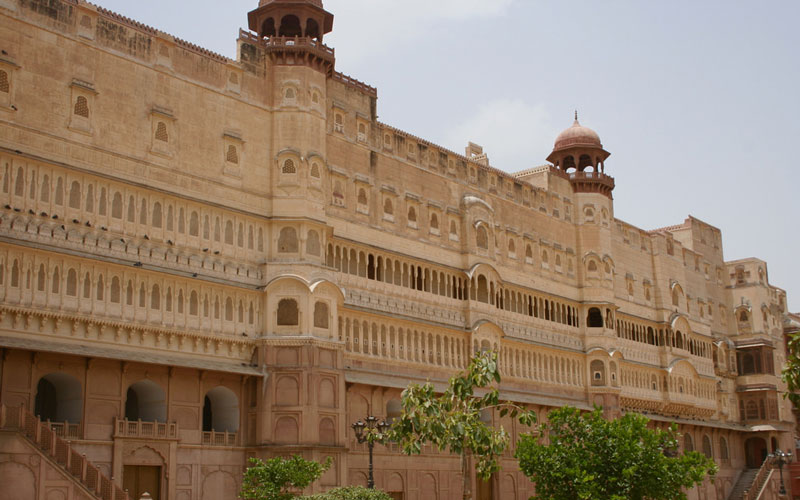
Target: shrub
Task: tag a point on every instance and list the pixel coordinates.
(351, 493)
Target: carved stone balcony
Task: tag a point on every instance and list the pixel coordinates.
(124, 428)
(214, 438)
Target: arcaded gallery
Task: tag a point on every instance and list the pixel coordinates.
(204, 260)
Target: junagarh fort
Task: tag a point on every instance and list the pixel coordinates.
(204, 260)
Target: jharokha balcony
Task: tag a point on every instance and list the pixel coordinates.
(293, 50)
(588, 182)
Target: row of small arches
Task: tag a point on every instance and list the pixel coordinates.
(707, 449)
(149, 213)
(390, 342)
(131, 292)
(683, 385)
(445, 284)
(289, 166)
(288, 313)
(664, 337)
(59, 398)
(541, 367)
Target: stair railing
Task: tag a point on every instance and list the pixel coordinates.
(752, 492)
(42, 436)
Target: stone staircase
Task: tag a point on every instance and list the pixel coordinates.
(743, 484)
(60, 453)
(750, 482)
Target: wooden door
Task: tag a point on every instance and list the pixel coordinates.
(138, 479)
(484, 489)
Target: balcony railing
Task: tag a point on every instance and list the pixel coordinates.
(64, 430)
(148, 430)
(214, 438)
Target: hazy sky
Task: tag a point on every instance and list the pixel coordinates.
(697, 101)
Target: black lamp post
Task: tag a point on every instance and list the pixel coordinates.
(370, 431)
(781, 458)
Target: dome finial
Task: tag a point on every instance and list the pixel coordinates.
(576, 116)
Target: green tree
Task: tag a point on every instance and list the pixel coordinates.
(350, 493)
(278, 478)
(791, 371)
(452, 420)
(589, 457)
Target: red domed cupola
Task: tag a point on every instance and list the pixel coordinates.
(579, 155)
(290, 18)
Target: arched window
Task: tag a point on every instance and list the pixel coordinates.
(156, 216)
(321, 315)
(688, 443)
(288, 167)
(288, 314)
(116, 206)
(287, 240)
(362, 196)
(483, 289)
(228, 309)
(115, 290)
(707, 448)
(81, 107)
(146, 400)
(598, 370)
(229, 232)
(220, 410)
(194, 225)
(434, 221)
(161, 132)
(232, 156)
(412, 215)
(5, 86)
(75, 195)
(388, 209)
(482, 238)
(595, 318)
(338, 194)
(512, 249)
(290, 94)
(312, 243)
(723, 448)
(338, 123)
(100, 288)
(453, 229)
(59, 398)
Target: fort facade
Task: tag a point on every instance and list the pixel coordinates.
(204, 260)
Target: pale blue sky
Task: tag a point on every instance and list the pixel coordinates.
(697, 101)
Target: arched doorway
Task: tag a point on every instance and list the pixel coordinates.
(59, 398)
(755, 452)
(146, 400)
(220, 410)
